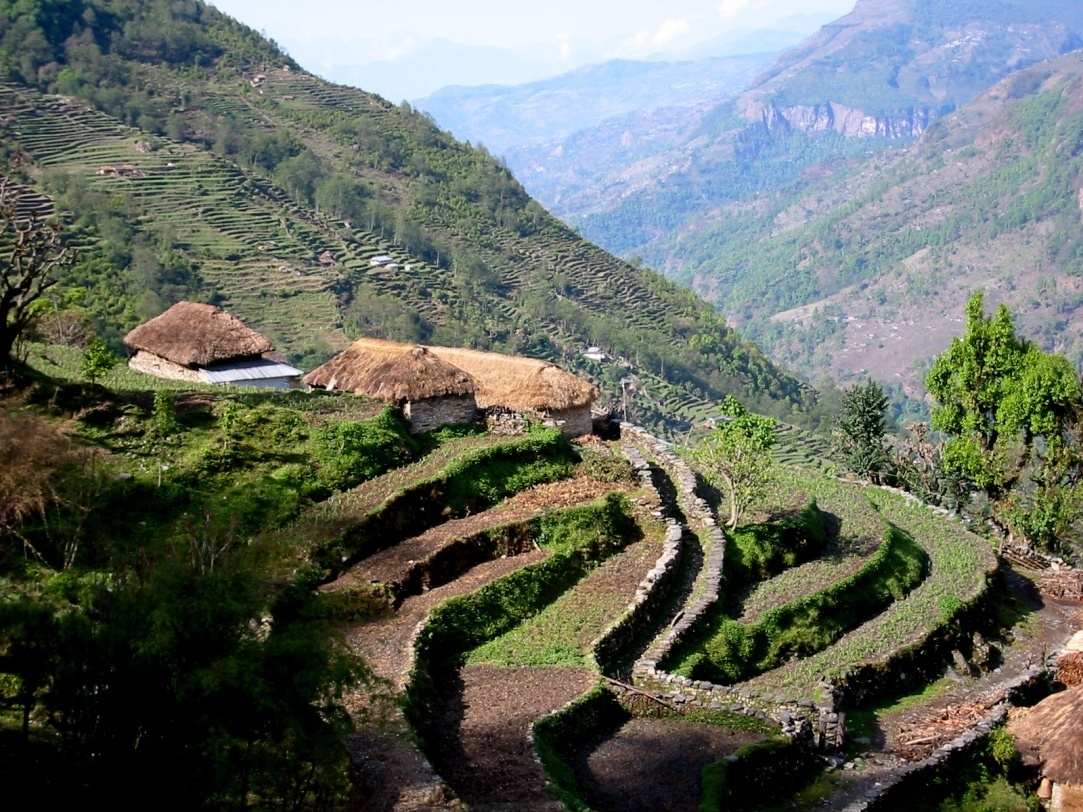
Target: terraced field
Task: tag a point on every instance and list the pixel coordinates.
(292, 271)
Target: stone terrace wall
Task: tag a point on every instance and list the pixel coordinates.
(652, 592)
(793, 717)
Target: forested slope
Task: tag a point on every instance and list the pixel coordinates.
(259, 185)
(866, 268)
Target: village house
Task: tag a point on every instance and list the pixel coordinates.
(1049, 736)
(203, 343)
(430, 392)
(526, 386)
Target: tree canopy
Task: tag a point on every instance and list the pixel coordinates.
(1009, 409)
(737, 455)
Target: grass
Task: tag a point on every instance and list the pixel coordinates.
(560, 635)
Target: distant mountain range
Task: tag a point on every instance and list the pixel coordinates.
(761, 202)
(508, 118)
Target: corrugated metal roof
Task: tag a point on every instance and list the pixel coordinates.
(257, 370)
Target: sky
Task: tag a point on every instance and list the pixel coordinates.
(423, 38)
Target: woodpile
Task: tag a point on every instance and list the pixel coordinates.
(1070, 669)
(1062, 585)
(918, 739)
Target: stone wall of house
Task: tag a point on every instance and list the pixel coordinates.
(433, 413)
(151, 364)
(573, 422)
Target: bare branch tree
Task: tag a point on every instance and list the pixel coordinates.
(31, 251)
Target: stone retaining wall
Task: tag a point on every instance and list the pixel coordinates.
(651, 594)
(793, 717)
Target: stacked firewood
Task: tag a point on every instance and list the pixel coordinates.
(1063, 585)
(1070, 669)
(917, 739)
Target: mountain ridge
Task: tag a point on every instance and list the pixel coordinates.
(274, 188)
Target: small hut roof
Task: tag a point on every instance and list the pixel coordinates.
(1051, 734)
(390, 371)
(194, 334)
(520, 384)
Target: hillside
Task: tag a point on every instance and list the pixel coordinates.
(483, 619)
(874, 78)
(878, 258)
(259, 185)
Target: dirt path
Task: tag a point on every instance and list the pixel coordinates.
(914, 732)
(653, 764)
(485, 753)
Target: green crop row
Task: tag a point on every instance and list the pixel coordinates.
(961, 565)
(337, 534)
(736, 651)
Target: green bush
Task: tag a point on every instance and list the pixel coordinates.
(347, 453)
(759, 551)
(758, 773)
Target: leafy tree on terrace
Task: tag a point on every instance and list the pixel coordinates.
(1009, 410)
(860, 429)
(737, 456)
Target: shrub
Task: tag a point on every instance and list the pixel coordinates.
(347, 453)
(760, 551)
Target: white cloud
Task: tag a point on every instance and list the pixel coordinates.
(731, 8)
(564, 43)
(670, 30)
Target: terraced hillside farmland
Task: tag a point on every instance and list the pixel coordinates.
(544, 626)
(278, 189)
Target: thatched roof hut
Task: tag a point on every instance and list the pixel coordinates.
(203, 343)
(520, 384)
(509, 383)
(392, 372)
(1050, 736)
(431, 391)
(197, 335)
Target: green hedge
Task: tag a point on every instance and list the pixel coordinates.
(758, 773)
(756, 552)
(737, 651)
(470, 484)
(578, 538)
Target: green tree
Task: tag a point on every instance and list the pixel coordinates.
(737, 456)
(98, 359)
(860, 429)
(1008, 409)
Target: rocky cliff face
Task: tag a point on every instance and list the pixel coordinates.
(846, 121)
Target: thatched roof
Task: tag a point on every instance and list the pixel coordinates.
(390, 371)
(1051, 734)
(193, 334)
(520, 384)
